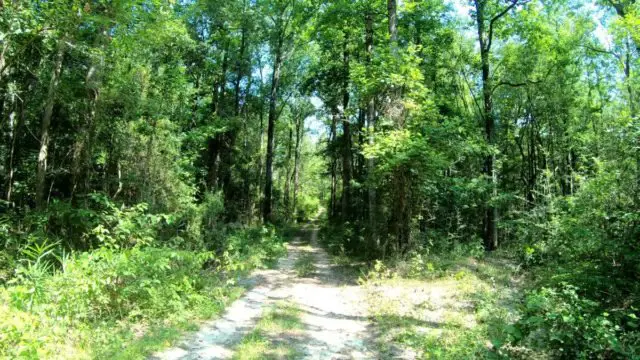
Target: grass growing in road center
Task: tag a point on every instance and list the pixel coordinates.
(271, 337)
(305, 266)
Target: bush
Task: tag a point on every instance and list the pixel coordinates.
(60, 300)
(307, 207)
(110, 284)
(140, 281)
(571, 326)
(248, 248)
(20, 333)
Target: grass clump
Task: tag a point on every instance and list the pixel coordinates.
(305, 266)
(271, 338)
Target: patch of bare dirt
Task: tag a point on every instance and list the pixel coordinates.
(333, 312)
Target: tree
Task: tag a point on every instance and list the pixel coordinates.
(286, 30)
(486, 26)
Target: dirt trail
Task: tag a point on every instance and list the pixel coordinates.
(333, 312)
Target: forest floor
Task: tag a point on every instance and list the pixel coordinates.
(313, 306)
(460, 309)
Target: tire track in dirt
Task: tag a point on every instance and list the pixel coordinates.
(333, 311)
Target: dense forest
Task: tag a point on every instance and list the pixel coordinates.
(155, 151)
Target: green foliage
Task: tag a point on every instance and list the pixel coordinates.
(441, 307)
(125, 228)
(135, 136)
(307, 207)
(37, 265)
(108, 284)
(583, 304)
(134, 285)
(571, 326)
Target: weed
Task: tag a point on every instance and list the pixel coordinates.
(304, 266)
(269, 339)
(122, 303)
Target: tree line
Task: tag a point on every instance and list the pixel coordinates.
(445, 123)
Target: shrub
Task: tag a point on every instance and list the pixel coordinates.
(19, 333)
(110, 284)
(307, 207)
(125, 228)
(48, 308)
(572, 326)
(248, 248)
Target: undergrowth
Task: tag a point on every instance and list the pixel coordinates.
(133, 293)
(465, 303)
(453, 308)
(451, 304)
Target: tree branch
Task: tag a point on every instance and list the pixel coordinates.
(619, 7)
(473, 96)
(19, 52)
(496, 18)
(521, 84)
(508, 83)
(606, 52)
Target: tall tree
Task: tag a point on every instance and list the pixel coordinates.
(43, 153)
(371, 127)
(486, 23)
(281, 25)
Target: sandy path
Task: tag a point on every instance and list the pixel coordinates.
(335, 323)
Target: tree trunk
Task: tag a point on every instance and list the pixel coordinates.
(232, 195)
(627, 75)
(17, 110)
(196, 101)
(371, 125)
(632, 108)
(287, 178)
(246, 170)
(240, 70)
(267, 215)
(148, 193)
(215, 145)
(260, 185)
(401, 218)
(5, 46)
(296, 164)
(346, 137)
(491, 211)
(334, 166)
(491, 216)
(223, 81)
(392, 11)
(219, 87)
(41, 172)
(213, 162)
(81, 151)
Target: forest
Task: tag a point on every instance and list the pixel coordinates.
(483, 153)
